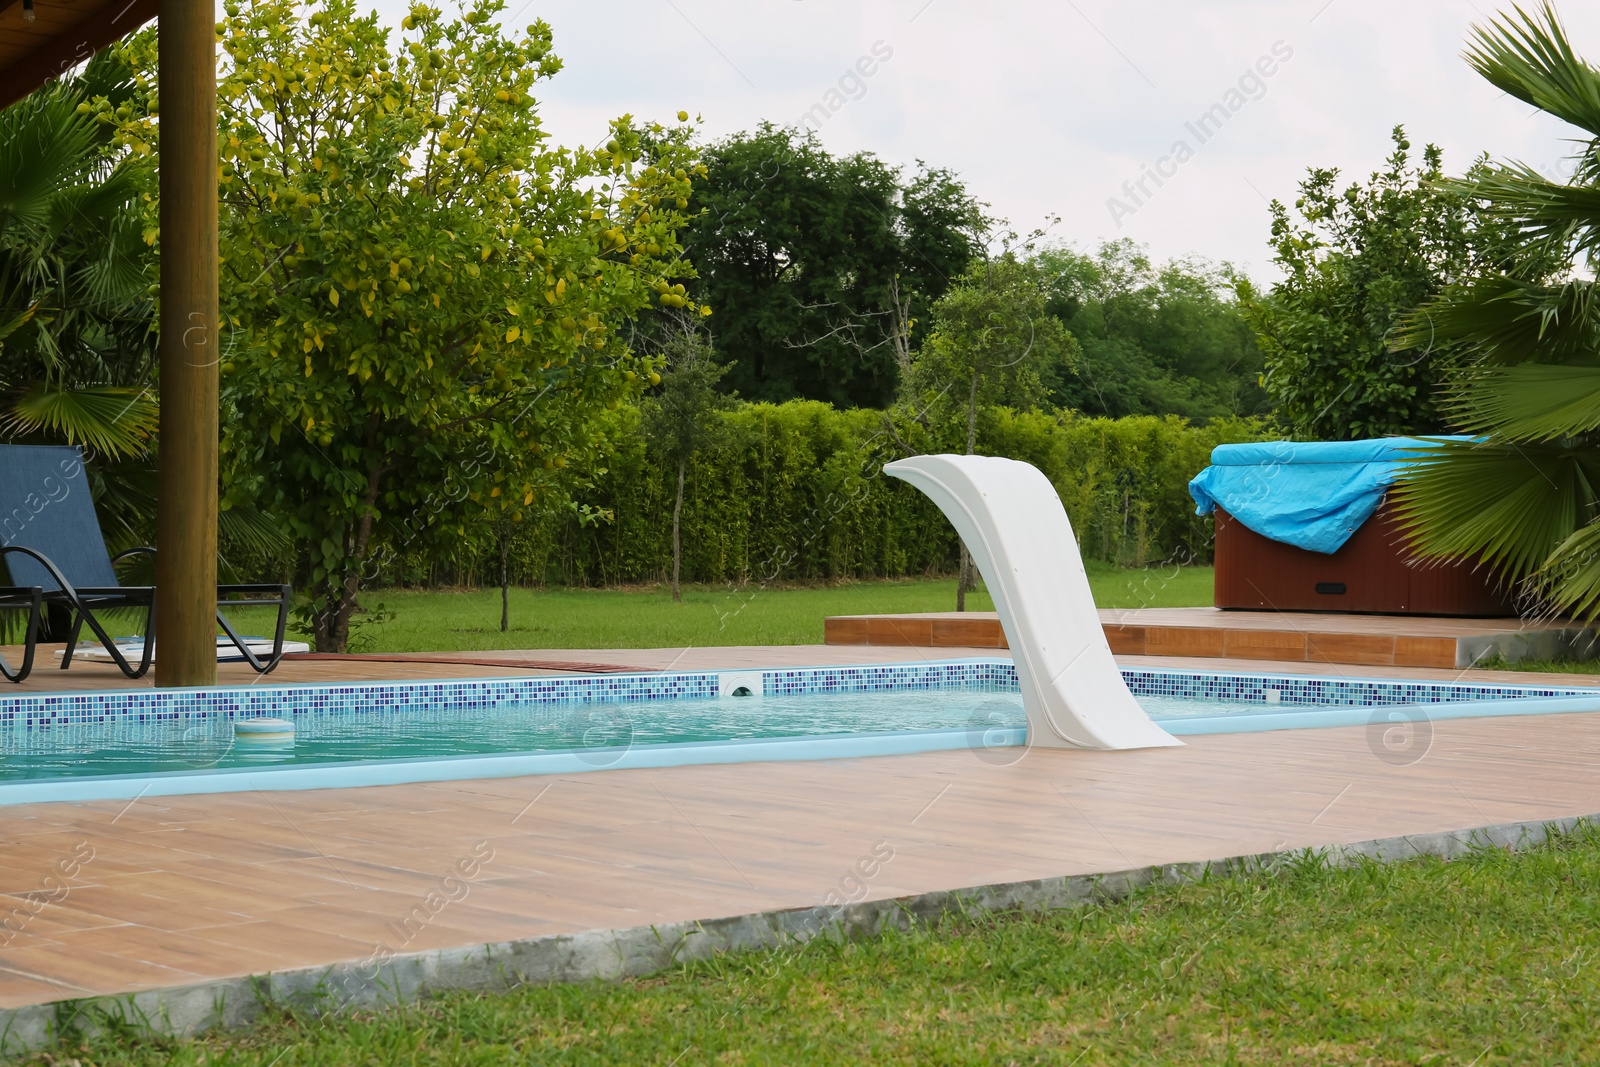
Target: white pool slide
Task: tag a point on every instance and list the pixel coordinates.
(1013, 523)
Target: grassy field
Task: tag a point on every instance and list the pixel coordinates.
(709, 615)
(1486, 960)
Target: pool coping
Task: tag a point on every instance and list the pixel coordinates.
(630, 952)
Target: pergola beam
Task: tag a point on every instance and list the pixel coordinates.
(60, 37)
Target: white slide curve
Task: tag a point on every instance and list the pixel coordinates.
(1013, 523)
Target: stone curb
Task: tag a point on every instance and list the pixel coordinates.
(236, 1003)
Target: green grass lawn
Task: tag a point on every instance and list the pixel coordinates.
(1543, 666)
(709, 615)
(1486, 960)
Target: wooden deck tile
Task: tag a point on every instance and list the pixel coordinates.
(1424, 651)
(847, 630)
(1371, 650)
(1184, 641)
(900, 630)
(970, 633)
(19, 990)
(86, 966)
(1288, 645)
(1125, 640)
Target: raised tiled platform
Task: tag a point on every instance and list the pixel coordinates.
(1283, 637)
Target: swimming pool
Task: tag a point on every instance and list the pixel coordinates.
(130, 743)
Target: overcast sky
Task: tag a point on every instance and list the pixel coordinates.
(1047, 108)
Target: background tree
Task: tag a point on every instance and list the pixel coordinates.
(1523, 496)
(681, 419)
(413, 275)
(1154, 340)
(508, 514)
(1354, 262)
(814, 262)
(992, 340)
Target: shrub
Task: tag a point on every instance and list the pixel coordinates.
(795, 492)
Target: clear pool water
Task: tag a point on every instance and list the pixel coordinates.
(166, 747)
(134, 743)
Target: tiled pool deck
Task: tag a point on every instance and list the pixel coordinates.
(112, 896)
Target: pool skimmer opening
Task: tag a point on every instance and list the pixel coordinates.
(739, 684)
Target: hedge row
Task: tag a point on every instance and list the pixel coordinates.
(796, 492)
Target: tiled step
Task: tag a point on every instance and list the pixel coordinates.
(1366, 640)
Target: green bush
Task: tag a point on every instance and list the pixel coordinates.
(794, 492)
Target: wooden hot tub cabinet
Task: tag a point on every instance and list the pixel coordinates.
(1372, 572)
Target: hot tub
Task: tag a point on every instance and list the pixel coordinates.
(1309, 526)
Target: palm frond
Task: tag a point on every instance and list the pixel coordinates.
(112, 419)
(1530, 402)
(252, 530)
(1505, 320)
(125, 498)
(1498, 503)
(1557, 217)
(1570, 579)
(44, 146)
(120, 275)
(9, 324)
(1530, 58)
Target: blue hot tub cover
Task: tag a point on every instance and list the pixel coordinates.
(1312, 495)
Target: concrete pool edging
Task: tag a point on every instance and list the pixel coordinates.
(632, 952)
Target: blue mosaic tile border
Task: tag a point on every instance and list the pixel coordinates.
(128, 708)
(68, 709)
(982, 675)
(1325, 692)
(1001, 676)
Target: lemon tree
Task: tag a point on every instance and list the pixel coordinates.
(421, 293)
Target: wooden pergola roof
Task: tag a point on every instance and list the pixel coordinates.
(62, 34)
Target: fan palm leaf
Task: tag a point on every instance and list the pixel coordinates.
(1553, 218)
(1529, 57)
(1569, 580)
(44, 146)
(1530, 402)
(111, 419)
(72, 254)
(15, 320)
(1497, 503)
(1504, 320)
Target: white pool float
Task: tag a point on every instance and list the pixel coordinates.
(1013, 523)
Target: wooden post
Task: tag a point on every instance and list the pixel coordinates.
(186, 501)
